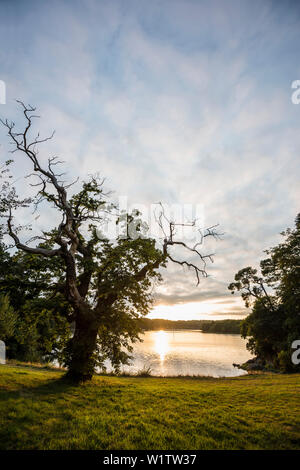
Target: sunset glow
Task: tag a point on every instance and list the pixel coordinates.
(206, 310)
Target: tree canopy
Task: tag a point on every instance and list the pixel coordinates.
(274, 322)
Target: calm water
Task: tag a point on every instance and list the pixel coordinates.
(189, 352)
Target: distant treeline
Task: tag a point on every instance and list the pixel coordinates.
(207, 326)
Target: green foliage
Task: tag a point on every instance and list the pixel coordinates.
(41, 324)
(8, 318)
(263, 329)
(43, 332)
(221, 326)
(274, 322)
(118, 272)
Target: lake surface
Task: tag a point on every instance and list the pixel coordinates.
(189, 352)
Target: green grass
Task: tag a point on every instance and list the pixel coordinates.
(38, 410)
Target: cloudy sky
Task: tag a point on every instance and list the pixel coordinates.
(179, 101)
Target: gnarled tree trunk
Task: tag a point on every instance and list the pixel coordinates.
(82, 349)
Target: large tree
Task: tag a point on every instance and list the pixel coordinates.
(274, 322)
(106, 283)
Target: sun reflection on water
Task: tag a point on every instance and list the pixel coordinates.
(161, 344)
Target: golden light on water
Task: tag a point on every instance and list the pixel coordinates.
(161, 344)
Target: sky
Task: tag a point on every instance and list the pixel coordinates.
(186, 102)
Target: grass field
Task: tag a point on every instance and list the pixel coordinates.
(39, 411)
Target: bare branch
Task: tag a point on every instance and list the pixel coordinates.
(28, 249)
(190, 265)
(169, 241)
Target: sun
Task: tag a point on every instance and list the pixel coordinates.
(161, 344)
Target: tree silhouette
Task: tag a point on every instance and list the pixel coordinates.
(107, 284)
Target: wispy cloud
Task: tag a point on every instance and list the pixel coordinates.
(179, 101)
